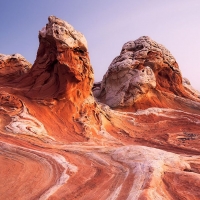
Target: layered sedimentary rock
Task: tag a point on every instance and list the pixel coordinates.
(61, 79)
(12, 67)
(62, 68)
(58, 142)
(144, 71)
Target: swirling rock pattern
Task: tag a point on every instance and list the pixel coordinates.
(58, 142)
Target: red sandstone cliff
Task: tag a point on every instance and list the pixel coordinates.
(58, 141)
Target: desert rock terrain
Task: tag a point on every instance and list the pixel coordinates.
(134, 135)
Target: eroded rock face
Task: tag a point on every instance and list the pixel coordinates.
(62, 68)
(59, 84)
(12, 67)
(142, 67)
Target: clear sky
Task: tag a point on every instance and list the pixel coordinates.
(107, 25)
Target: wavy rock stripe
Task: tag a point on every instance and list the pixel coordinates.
(148, 166)
(130, 172)
(40, 174)
(24, 123)
(127, 172)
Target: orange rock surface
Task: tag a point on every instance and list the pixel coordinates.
(138, 138)
(145, 74)
(12, 67)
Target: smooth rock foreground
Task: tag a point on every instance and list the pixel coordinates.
(138, 138)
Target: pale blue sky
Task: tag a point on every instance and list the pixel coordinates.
(107, 25)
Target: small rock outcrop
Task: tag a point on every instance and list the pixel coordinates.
(12, 67)
(142, 68)
(188, 87)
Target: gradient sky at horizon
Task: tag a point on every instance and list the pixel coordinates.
(107, 25)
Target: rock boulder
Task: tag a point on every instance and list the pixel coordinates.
(143, 68)
(12, 67)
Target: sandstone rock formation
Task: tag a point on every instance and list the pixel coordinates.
(62, 62)
(144, 69)
(61, 77)
(12, 67)
(58, 142)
